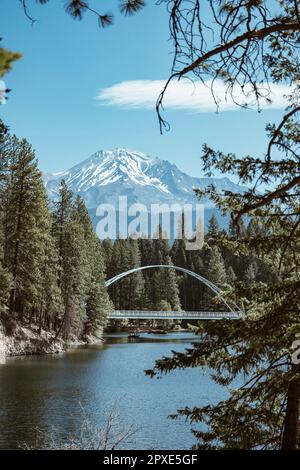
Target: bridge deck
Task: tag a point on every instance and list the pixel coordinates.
(172, 315)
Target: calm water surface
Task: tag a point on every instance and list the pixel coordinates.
(50, 391)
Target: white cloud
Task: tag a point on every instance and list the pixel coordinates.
(196, 97)
(2, 92)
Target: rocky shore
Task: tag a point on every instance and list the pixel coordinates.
(29, 341)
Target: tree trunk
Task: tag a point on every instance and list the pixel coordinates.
(290, 439)
(67, 321)
(15, 266)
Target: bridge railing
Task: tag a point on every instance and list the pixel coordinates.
(172, 315)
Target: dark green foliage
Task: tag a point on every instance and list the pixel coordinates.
(98, 303)
(151, 289)
(254, 43)
(26, 226)
(51, 262)
(146, 289)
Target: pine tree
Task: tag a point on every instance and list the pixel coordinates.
(4, 277)
(213, 226)
(165, 285)
(198, 290)
(178, 253)
(4, 274)
(215, 266)
(146, 249)
(137, 283)
(26, 229)
(169, 286)
(108, 250)
(231, 276)
(50, 302)
(113, 269)
(69, 235)
(250, 273)
(73, 279)
(61, 217)
(98, 304)
(122, 286)
(179, 258)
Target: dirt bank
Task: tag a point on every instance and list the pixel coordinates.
(28, 341)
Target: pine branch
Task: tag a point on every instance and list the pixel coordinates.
(265, 200)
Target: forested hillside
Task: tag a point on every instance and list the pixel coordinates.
(51, 262)
(165, 289)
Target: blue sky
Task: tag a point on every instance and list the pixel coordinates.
(66, 64)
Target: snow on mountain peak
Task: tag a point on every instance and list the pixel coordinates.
(109, 166)
(108, 174)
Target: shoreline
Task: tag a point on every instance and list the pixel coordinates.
(28, 341)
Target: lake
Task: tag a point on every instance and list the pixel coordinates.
(55, 392)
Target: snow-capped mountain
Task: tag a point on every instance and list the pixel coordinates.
(108, 174)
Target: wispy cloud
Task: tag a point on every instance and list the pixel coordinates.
(196, 97)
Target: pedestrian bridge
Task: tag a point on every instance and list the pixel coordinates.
(172, 315)
(232, 310)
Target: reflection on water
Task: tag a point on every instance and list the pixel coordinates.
(50, 391)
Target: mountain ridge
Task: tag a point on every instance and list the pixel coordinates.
(108, 174)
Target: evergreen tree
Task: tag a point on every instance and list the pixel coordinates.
(178, 253)
(113, 268)
(179, 258)
(74, 278)
(165, 285)
(26, 229)
(198, 290)
(69, 236)
(215, 266)
(98, 304)
(250, 273)
(136, 280)
(123, 284)
(169, 286)
(107, 245)
(50, 300)
(146, 249)
(213, 226)
(231, 276)
(4, 276)
(61, 217)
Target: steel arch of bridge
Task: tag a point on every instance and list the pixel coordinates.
(233, 308)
